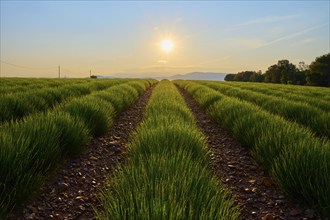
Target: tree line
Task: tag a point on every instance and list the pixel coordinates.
(315, 74)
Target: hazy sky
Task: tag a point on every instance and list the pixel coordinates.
(111, 37)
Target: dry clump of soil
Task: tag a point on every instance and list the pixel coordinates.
(250, 185)
(74, 189)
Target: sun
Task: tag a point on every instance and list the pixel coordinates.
(167, 45)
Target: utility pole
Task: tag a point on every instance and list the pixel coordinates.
(59, 71)
(90, 73)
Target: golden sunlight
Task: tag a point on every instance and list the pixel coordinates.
(167, 45)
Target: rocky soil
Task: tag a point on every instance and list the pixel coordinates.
(248, 182)
(73, 191)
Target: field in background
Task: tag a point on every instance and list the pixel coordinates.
(286, 128)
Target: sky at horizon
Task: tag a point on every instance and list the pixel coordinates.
(112, 37)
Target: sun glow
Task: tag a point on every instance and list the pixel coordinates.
(167, 45)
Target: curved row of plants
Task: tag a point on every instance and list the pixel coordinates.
(298, 162)
(31, 148)
(310, 91)
(294, 89)
(166, 173)
(17, 85)
(313, 100)
(315, 119)
(15, 106)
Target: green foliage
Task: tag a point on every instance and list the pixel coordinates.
(302, 113)
(14, 106)
(303, 171)
(257, 77)
(301, 94)
(157, 189)
(28, 150)
(245, 76)
(297, 160)
(75, 135)
(204, 96)
(166, 175)
(319, 73)
(140, 86)
(119, 97)
(32, 147)
(282, 72)
(230, 77)
(316, 74)
(95, 112)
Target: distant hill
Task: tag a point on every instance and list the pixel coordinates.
(187, 76)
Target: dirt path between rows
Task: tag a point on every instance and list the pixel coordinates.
(248, 182)
(75, 188)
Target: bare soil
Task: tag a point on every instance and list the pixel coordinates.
(249, 183)
(73, 191)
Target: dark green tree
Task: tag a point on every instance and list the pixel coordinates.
(257, 77)
(319, 71)
(230, 77)
(244, 76)
(300, 75)
(268, 74)
(282, 72)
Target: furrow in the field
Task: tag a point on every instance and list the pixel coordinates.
(31, 149)
(250, 184)
(166, 174)
(73, 191)
(297, 160)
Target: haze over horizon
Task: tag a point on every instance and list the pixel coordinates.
(158, 38)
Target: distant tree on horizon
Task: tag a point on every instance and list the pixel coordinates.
(319, 71)
(257, 77)
(229, 77)
(244, 76)
(284, 72)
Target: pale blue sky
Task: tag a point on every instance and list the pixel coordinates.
(110, 37)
